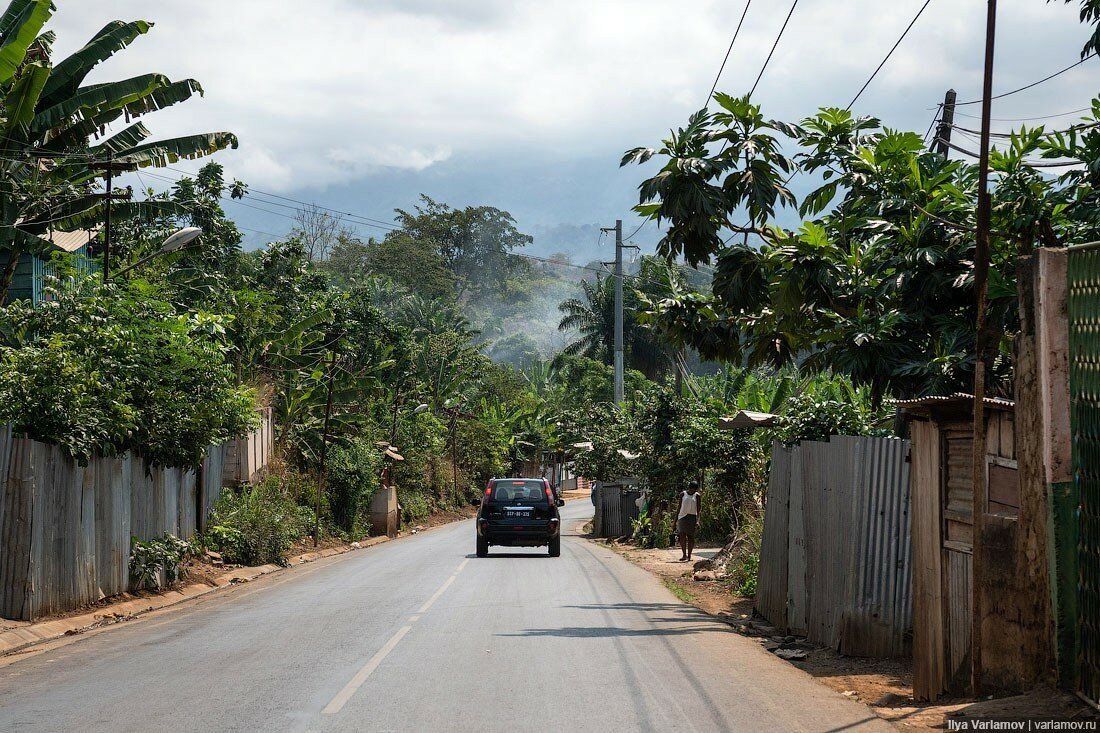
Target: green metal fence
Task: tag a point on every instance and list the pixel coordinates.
(1081, 614)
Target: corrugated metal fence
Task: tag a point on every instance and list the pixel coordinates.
(836, 562)
(66, 529)
(615, 507)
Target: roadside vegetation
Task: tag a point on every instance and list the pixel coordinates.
(443, 355)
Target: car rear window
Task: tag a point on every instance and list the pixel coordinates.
(525, 491)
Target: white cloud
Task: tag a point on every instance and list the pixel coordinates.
(331, 92)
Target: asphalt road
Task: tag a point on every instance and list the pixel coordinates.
(419, 635)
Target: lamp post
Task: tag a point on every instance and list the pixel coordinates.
(179, 240)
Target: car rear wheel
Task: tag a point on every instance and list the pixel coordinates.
(555, 547)
(482, 547)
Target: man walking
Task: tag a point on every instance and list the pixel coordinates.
(688, 520)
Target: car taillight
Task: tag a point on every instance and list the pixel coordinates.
(549, 494)
(489, 490)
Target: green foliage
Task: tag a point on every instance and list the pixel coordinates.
(111, 369)
(259, 524)
(354, 470)
(474, 243)
(156, 564)
(591, 316)
(416, 506)
(698, 191)
(744, 567)
(48, 109)
(811, 417)
(878, 287)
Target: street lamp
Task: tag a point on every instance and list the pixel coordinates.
(179, 240)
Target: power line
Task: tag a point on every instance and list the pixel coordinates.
(1032, 164)
(1029, 119)
(1045, 134)
(722, 68)
(889, 54)
(774, 46)
(1032, 84)
(932, 125)
(534, 258)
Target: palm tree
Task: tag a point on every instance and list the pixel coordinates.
(48, 176)
(593, 317)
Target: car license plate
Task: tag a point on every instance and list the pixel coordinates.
(517, 513)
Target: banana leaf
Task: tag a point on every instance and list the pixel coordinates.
(30, 243)
(166, 152)
(69, 74)
(20, 27)
(131, 137)
(21, 100)
(92, 100)
(166, 96)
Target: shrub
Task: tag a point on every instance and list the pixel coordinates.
(106, 369)
(808, 417)
(354, 469)
(259, 524)
(744, 568)
(152, 560)
(415, 506)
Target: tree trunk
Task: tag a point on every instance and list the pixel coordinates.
(14, 255)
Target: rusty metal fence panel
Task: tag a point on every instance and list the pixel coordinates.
(880, 607)
(796, 549)
(66, 529)
(771, 585)
(844, 553)
(210, 482)
(827, 501)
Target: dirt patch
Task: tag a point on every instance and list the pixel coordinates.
(435, 520)
(885, 685)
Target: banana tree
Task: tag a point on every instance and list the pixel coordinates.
(49, 116)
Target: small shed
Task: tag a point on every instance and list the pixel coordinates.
(29, 282)
(941, 465)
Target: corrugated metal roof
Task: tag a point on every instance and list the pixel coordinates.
(747, 419)
(71, 241)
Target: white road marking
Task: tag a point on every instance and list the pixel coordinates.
(444, 587)
(361, 676)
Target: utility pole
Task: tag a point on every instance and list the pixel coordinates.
(619, 388)
(947, 122)
(982, 340)
(111, 167)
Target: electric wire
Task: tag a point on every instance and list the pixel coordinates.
(774, 46)
(889, 54)
(729, 50)
(1033, 84)
(1026, 119)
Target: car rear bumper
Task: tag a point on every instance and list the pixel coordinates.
(517, 534)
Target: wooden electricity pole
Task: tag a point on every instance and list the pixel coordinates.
(947, 123)
(981, 349)
(110, 167)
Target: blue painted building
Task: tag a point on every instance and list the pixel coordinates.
(33, 271)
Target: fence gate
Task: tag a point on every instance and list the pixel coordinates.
(1084, 385)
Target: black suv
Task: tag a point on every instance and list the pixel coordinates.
(519, 512)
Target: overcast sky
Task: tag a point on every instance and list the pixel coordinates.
(527, 105)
